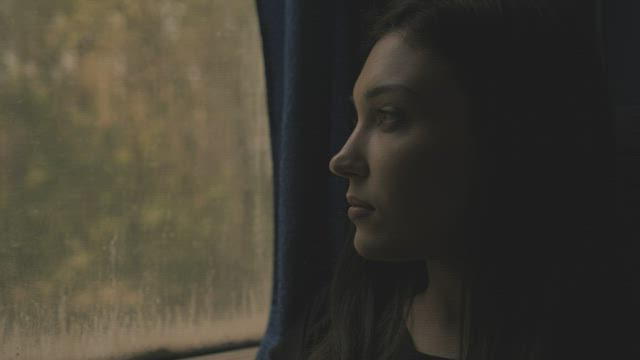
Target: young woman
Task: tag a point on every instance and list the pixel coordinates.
(477, 178)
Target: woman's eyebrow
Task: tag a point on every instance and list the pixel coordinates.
(382, 89)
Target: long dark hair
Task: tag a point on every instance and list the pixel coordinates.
(540, 120)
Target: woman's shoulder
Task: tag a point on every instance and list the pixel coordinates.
(298, 335)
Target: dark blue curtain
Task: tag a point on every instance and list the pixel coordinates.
(312, 55)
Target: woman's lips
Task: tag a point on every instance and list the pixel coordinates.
(356, 212)
(355, 201)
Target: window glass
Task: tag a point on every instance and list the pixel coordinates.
(135, 181)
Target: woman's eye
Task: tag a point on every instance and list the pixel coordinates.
(388, 117)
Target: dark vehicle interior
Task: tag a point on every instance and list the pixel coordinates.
(165, 191)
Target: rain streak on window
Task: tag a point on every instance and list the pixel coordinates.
(135, 181)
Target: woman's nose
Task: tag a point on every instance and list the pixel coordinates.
(346, 164)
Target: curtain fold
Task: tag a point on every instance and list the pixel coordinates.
(312, 55)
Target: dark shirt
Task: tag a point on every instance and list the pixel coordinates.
(291, 346)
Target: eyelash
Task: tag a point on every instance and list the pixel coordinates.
(397, 115)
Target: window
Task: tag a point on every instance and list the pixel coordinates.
(135, 190)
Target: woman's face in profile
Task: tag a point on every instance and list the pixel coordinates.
(408, 156)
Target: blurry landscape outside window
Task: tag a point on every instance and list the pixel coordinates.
(136, 191)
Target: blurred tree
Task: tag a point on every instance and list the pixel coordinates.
(133, 143)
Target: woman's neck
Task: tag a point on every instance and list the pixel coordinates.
(434, 318)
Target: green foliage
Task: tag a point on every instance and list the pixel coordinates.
(123, 184)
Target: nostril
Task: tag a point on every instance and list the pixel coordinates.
(337, 167)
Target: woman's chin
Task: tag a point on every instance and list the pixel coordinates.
(381, 250)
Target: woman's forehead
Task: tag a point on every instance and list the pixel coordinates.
(393, 61)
